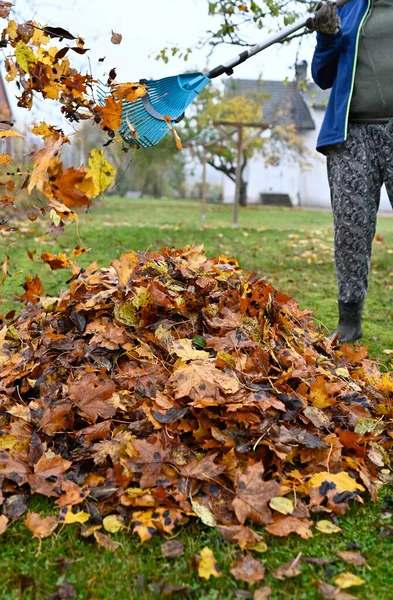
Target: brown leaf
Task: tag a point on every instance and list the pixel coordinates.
(110, 114)
(262, 593)
(41, 527)
(253, 495)
(105, 541)
(92, 395)
(58, 261)
(116, 38)
(353, 558)
(33, 289)
(172, 549)
(292, 568)
(245, 537)
(332, 593)
(248, 569)
(284, 526)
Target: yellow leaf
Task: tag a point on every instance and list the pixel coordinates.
(204, 514)
(24, 56)
(327, 527)
(112, 524)
(260, 547)
(11, 30)
(347, 580)
(342, 372)
(208, 565)
(5, 159)
(129, 91)
(186, 351)
(343, 481)
(102, 170)
(282, 505)
(386, 383)
(68, 517)
(87, 185)
(9, 133)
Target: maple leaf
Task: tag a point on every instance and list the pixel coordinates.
(284, 526)
(253, 495)
(92, 394)
(67, 187)
(186, 351)
(129, 91)
(204, 469)
(33, 289)
(248, 569)
(147, 522)
(5, 159)
(56, 261)
(202, 379)
(110, 114)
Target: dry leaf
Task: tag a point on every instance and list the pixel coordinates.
(332, 593)
(116, 38)
(41, 527)
(172, 549)
(105, 541)
(262, 593)
(292, 568)
(3, 523)
(248, 569)
(353, 558)
(346, 580)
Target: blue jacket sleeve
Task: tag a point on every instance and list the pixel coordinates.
(325, 60)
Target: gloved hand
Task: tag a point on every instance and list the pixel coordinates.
(325, 18)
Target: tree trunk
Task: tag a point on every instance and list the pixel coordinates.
(243, 193)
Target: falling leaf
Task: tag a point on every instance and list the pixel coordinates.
(103, 172)
(346, 580)
(207, 566)
(248, 569)
(5, 159)
(116, 38)
(282, 505)
(129, 91)
(327, 527)
(353, 558)
(289, 569)
(173, 131)
(110, 114)
(56, 261)
(9, 133)
(41, 527)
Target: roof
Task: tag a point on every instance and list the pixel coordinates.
(283, 102)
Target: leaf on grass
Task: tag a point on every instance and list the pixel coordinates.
(284, 526)
(207, 566)
(105, 541)
(262, 593)
(329, 592)
(41, 527)
(353, 558)
(326, 526)
(67, 516)
(292, 568)
(245, 537)
(248, 569)
(347, 579)
(172, 549)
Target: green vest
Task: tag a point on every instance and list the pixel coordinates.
(373, 90)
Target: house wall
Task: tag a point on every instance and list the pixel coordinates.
(306, 186)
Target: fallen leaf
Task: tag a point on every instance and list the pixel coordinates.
(41, 527)
(253, 495)
(282, 505)
(328, 591)
(105, 541)
(327, 527)
(284, 526)
(3, 523)
(292, 568)
(112, 523)
(248, 569)
(186, 351)
(346, 580)
(263, 593)
(207, 566)
(205, 515)
(172, 549)
(353, 558)
(67, 516)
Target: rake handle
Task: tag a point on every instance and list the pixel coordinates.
(273, 39)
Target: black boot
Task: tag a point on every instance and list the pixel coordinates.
(350, 321)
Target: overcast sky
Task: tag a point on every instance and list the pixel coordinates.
(147, 26)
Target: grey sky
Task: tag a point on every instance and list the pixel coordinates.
(147, 26)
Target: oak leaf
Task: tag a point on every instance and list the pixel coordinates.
(201, 379)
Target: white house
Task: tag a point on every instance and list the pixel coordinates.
(303, 104)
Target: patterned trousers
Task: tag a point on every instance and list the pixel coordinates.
(357, 168)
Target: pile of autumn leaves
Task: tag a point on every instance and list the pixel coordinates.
(171, 387)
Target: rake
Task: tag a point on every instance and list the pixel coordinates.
(146, 121)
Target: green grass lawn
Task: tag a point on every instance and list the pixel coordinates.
(293, 249)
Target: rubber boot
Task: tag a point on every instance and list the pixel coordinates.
(350, 321)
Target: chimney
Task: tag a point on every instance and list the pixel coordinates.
(301, 71)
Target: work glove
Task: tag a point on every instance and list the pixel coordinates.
(325, 18)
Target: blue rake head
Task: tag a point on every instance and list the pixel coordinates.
(143, 121)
